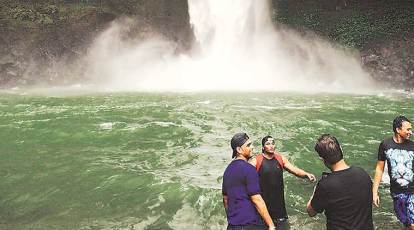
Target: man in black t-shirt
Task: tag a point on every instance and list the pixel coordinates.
(344, 194)
(398, 151)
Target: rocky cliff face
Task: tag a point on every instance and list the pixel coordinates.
(37, 36)
(381, 31)
(392, 62)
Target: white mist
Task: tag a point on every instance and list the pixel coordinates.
(236, 49)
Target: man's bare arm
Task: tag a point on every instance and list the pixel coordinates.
(262, 209)
(225, 204)
(297, 171)
(310, 210)
(379, 170)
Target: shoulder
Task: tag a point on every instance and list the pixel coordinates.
(234, 165)
(410, 142)
(334, 179)
(239, 166)
(248, 170)
(324, 178)
(229, 168)
(359, 170)
(354, 173)
(247, 167)
(386, 142)
(322, 184)
(281, 156)
(360, 177)
(383, 142)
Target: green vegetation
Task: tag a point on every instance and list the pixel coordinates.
(19, 13)
(353, 25)
(29, 14)
(23, 13)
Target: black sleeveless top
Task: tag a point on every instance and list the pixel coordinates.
(271, 184)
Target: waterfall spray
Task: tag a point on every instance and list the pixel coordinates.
(236, 49)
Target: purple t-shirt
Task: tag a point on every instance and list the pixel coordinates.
(240, 182)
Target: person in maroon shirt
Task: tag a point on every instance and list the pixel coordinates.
(270, 166)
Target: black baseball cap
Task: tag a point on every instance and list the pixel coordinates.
(237, 141)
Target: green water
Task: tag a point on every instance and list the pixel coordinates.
(155, 161)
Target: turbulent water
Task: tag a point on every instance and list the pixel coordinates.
(155, 161)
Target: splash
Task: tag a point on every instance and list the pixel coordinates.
(237, 48)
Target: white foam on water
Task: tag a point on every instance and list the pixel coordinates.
(184, 218)
(106, 125)
(163, 123)
(187, 218)
(207, 102)
(147, 222)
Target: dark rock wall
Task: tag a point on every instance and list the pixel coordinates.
(381, 31)
(35, 36)
(391, 63)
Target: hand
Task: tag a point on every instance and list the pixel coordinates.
(311, 177)
(272, 228)
(375, 199)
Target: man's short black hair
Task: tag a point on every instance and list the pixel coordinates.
(264, 139)
(237, 141)
(327, 147)
(397, 123)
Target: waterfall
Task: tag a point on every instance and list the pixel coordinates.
(237, 48)
(228, 28)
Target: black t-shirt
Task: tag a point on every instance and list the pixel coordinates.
(400, 164)
(271, 185)
(346, 198)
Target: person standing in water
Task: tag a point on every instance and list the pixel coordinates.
(270, 165)
(398, 151)
(241, 191)
(344, 194)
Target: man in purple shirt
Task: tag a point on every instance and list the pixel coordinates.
(241, 191)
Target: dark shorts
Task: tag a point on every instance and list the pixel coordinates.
(246, 227)
(281, 223)
(404, 207)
